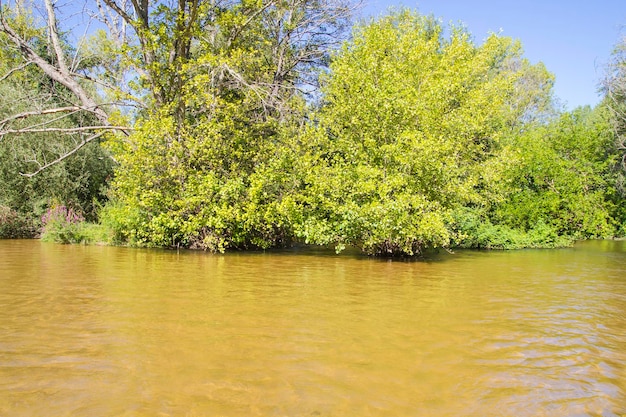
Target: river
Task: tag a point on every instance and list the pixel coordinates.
(106, 331)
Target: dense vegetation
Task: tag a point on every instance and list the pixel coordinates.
(78, 181)
(258, 125)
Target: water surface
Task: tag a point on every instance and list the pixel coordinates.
(103, 331)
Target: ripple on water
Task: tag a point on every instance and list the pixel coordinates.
(87, 331)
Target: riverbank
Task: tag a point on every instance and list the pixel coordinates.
(61, 224)
(87, 233)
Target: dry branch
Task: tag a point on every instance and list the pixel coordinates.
(67, 130)
(27, 114)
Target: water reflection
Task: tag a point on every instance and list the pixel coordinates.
(100, 331)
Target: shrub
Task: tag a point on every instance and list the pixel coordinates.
(474, 230)
(62, 224)
(14, 225)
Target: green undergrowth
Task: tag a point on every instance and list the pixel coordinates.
(489, 236)
(81, 233)
(62, 224)
(471, 234)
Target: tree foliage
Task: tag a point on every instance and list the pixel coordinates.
(615, 97)
(556, 187)
(199, 171)
(413, 113)
(614, 88)
(34, 133)
(418, 138)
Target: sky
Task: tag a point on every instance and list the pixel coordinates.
(574, 38)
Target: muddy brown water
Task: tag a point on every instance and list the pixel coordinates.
(105, 331)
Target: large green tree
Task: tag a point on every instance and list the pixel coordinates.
(412, 117)
(208, 86)
(199, 170)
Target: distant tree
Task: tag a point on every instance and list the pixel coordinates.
(614, 88)
(614, 102)
(560, 179)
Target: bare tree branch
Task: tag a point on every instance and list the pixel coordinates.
(53, 32)
(67, 130)
(122, 12)
(52, 103)
(39, 113)
(141, 25)
(57, 73)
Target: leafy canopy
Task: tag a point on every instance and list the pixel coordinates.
(412, 115)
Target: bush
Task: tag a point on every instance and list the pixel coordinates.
(61, 224)
(474, 230)
(65, 225)
(14, 225)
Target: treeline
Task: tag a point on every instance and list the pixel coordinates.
(259, 125)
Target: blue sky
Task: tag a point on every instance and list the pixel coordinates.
(574, 39)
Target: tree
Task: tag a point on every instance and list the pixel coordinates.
(40, 125)
(212, 85)
(195, 173)
(614, 103)
(559, 187)
(410, 118)
(64, 103)
(614, 88)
